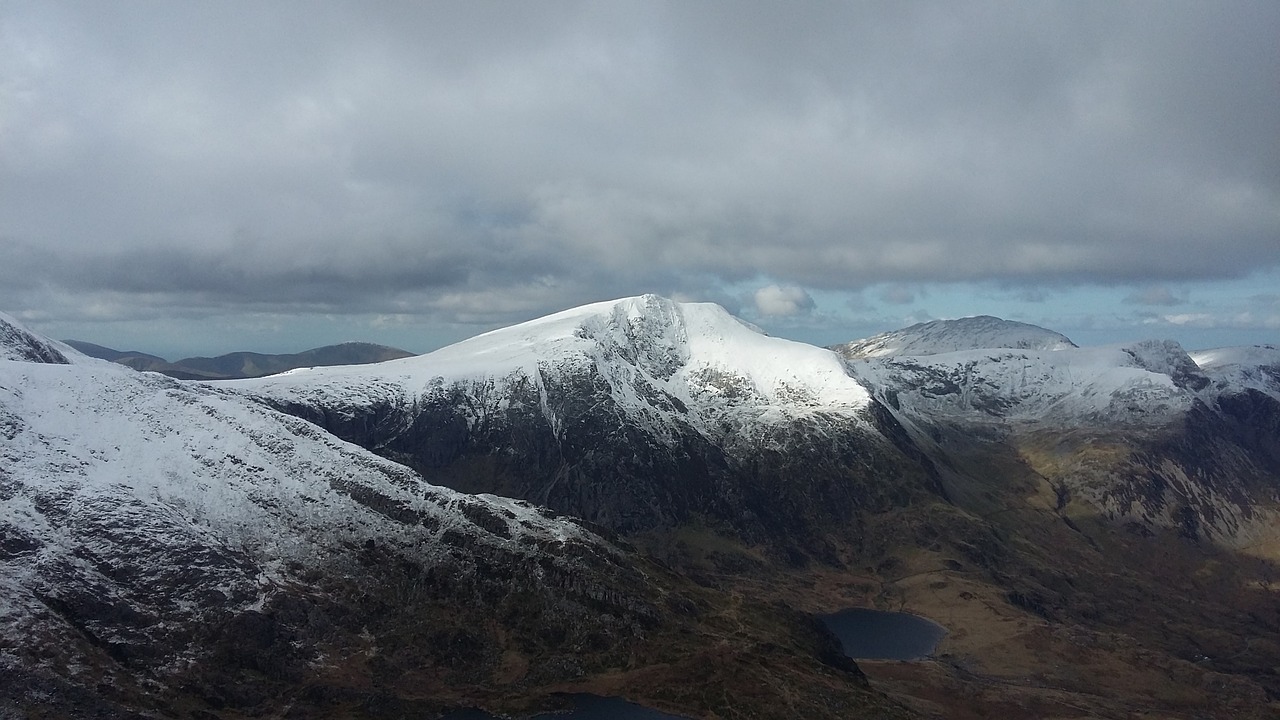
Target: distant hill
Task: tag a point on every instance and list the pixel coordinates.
(944, 336)
(244, 364)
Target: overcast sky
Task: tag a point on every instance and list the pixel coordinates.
(199, 177)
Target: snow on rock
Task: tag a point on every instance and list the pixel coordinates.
(138, 503)
(944, 336)
(659, 358)
(1140, 383)
(18, 343)
(1237, 369)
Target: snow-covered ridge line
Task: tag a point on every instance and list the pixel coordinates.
(82, 443)
(696, 355)
(19, 343)
(149, 518)
(223, 463)
(1254, 368)
(1145, 382)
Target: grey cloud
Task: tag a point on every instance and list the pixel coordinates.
(898, 295)
(345, 157)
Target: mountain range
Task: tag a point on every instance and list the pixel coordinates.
(654, 500)
(243, 364)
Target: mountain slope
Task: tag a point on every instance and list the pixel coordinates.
(147, 525)
(1175, 456)
(132, 358)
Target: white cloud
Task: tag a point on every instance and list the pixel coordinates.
(780, 301)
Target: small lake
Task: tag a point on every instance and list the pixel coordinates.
(880, 635)
(585, 707)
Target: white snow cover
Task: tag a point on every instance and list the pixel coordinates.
(1114, 384)
(1247, 355)
(698, 353)
(224, 465)
(1255, 367)
(18, 343)
(944, 336)
(169, 466)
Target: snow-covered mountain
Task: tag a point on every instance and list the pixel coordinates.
(636, 413)
(1147, 382)
(1238, 369)
(944, 336)
(1141, 432)
(165, 537)
(177, 548)
(664, 363)
(644, 412)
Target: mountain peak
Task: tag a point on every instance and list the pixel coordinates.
(944, 336)
(661, 362)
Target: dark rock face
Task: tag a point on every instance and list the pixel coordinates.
(563, 441)
(136, 602)
(1252, 420)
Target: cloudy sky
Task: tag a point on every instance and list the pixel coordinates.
(200, 177)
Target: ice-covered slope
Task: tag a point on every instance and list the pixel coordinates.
(145, 523)
(944, 336)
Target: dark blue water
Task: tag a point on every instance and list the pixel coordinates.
(879, 635)
(585, 707)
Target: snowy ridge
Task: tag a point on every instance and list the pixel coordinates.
(241, 471)
(1147, 382)
(945, 336)
(1141, 431)
(18, 343)
(173, 500)
(659, 358)
(1254, 367)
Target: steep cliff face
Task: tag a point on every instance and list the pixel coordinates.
(18, 343)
